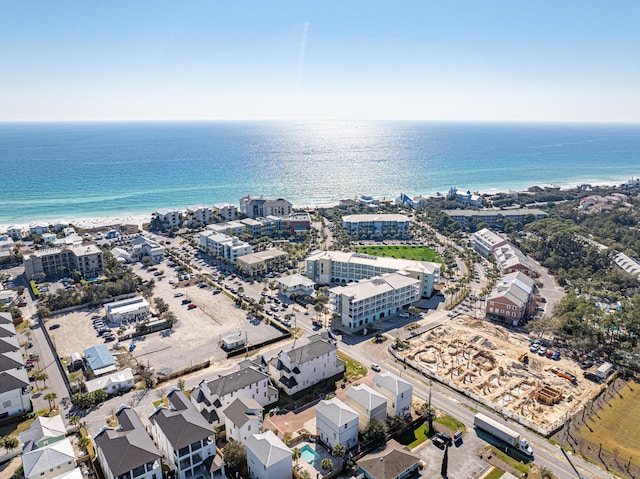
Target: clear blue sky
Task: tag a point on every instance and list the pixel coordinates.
(434, 60)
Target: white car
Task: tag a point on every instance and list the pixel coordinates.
(404, 315)
(375, 367)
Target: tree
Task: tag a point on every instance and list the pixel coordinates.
(286, 438)
(43, 378)
(51, 397)
(295, 454)
(327, 464)
(43, 312)
(74, 421)
(83, 442)
(338, 450)
(235, 455)
(375, 432)
(429, 414)
(161, 305)
(9, 443)
(181, 384)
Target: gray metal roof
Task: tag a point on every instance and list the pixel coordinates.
(268, 448)
(314, 349)
(237, 411)
(389, 464)
(235, 381)
(13, 379)
(127, 447)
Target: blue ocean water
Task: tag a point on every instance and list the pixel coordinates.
(74, 170)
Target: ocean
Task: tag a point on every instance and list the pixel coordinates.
(79, 170)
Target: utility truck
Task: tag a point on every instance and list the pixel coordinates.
(506, 435)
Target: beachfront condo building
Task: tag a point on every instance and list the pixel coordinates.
(53, 262)
(169, 217)
(376, 226)
(496, 218)
(375, 299)
(340, 268)
(261, 207)
(225, 211)
(199, 214)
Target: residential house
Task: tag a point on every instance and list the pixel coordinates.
(301, 368)
(15, 232)
(169, 218)
(185, 439)
(368, 403)
(6, 245)
(144, 247)
(397, 391)
(376, 226)
(38, 228)
(242, 419)
(86, 260)
(375, 299)
(120, 381)
(15, 390)
(48, 462)
(511, 260)
(295, 284)
(268, 457)
(42, 432)
(465, 198)
(415, 202)
(211, 397)
(261, 262)
(395, 462)
(340, 268)
(127, 452)
(100, 360)
(131, 309)
(336, 423)
(510, 298)
(226, 211)
(199, 214)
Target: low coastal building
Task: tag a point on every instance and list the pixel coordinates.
(376, 226)
(114, 383)
(336, 423)
(211, 397)
(340, 268)
(127, 452)
(398, 392)
(511, 260)
(415, 202)
(131, 309)
(306, 365)
(100, 360)
(229, 228)
(225, 211)
(86, 260)
(16, 232)
(261, 262)
(268, 457)
(510, 298)
(169, 218)
(38, 228)
(233, 341)
(6, 245)
(55, 460)
(242, 419)
(295, 284)
(395, 462)
(227, 247)
(144, 247)
(368, 404)
(375, 299)
(260, 207)
(42, 432)
(465, 198)
(185, 439)
(496, 218)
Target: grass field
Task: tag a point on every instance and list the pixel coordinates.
(616, 424)
(418, 253)
(414, 437)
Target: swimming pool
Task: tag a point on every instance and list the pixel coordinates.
(308, 455)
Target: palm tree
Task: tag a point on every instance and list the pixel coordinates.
(338, 450)
(74, 421)
(9, 442)
(83, 442)
(430, 414)
(51, 397)
(43, 378)
(295, 454)
(327, 464)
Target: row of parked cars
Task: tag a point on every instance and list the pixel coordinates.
(102, 329)
(538, 348)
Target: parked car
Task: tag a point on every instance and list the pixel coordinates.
(192, 306)
(534, 347)
(54, 326)
(177, 295)
(186, 301)
(375, 367)
(556, 356)
(404, 315)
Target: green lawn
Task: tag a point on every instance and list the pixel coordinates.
(507, 459)
(415, 436)
(353, 369)
(418, 253)
(451, 423)
(495, 474)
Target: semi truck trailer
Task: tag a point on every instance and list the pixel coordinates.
(503, 433)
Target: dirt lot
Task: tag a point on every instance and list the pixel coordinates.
(484, 359)
(194, 338)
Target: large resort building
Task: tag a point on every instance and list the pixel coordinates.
(53, 262)
(338, 268)
(259, 207)
(371, 300)
(376, 226)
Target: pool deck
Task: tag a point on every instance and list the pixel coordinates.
(316, 468)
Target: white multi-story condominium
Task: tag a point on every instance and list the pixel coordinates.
(228, 247)
(185, 439)
(242, 419)
(38, 228)
(510, 298)
(397, 391)
(252, 227)
(336, 423)
(261, 262)
(367, 403)
(52, 262)
(306, 365)
(229, 228)
(15, 232)
(268, 457)
(226, 211)
(169, 217)
(511, 260)
(295, 284)
(486, 241)
(495, 218)
(260, 207)
(340, 268)
(377, 226)
(127, 452)
(374, 299)
(199, 214)
(132, 309)
(6, 245)
(211, 397)
(142, 247)
(15, 391)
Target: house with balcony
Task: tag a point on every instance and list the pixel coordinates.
(127, 452)
(301, 368)
(336, 423)
(242, 419)
(295, 284)
(397, 391)
(268, 457)
(15, 390)
(260, 207)
(145, 247)
(367, 403)
(185, 439)
(212, 397)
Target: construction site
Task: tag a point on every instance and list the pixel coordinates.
(497, 366)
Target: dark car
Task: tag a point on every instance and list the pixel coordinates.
(441, 440)
(54, 326)
(457, 436)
